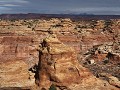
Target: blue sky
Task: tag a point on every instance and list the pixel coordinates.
(61, 6)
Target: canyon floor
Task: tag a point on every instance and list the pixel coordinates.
(59, 54)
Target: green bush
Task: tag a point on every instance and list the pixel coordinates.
(52, 87)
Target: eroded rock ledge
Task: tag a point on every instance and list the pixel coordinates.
(58, 65)
(32, 58)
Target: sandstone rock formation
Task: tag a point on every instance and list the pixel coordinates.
(14, 73)
(58, 65)
(29, 60)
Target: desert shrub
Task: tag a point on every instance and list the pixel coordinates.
(108, 26)
(93, 24)
(52, 87)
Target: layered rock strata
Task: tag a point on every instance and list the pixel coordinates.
(23, 64)
(58, 65)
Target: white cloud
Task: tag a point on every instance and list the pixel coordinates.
(4, 9)
(8, 5)
(86, 9)
(15, 1)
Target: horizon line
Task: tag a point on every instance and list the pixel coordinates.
(61, 14)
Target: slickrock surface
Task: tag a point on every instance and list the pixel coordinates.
(15, 74)
(71, 55)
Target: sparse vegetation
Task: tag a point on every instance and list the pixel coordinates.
(108, 26)
(52, 87)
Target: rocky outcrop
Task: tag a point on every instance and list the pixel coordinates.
(17, 55)
(57, 60)
(14, 73)
(58, 65)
